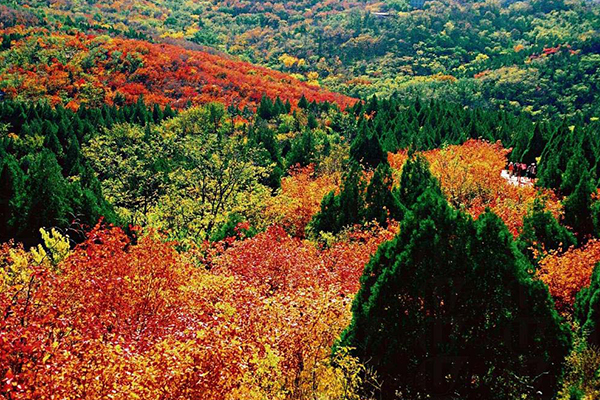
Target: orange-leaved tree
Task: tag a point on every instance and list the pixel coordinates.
(300, 198)
(567, 273)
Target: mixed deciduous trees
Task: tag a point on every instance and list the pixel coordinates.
(540, 58)
(184, 176)
(130, 318)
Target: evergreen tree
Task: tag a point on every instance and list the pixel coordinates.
(372, 105)
(11, 197)
(51, 142)
(542, 232)
(587, 308)
(345, 209)
(279, 107)
(86, 208)
(326, 220)
(536, 145)
(389, 141)
(312, 121)
(73, 159)
(47, 193)
(578, 208)
(169, 112)
(351, 197)
(447, 310)
(303, 150)
(157, 114)
(366, 149)
(380, 202)
(549, 174)
(415, 180)
(140, 112)
(265, 108)
(269, 152)
(555, 156)
(303, 102)
(570, 178)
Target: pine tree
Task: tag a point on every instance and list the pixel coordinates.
(73, 159)
(141, 115)
(263, 138)
(351, 197)
(380, 202)
(312, 121)
(415, 180)
(157, 114)
(587, 308)
(578, 208)
(87, 206)
(346, 208)
(536, 145)
(389, 141)
(265, 108)
(420, 322)
(303, 102)
(366, 149)
(572, 175)
(169, 112)
(303, 150)
(542, 232)
(279, 107)
(326, 220)
(51, 142)
(372, 105)
(47, 193)
(11, 197)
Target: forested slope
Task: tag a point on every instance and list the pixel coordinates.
(74, 68)
(177, 223)
(538, 57)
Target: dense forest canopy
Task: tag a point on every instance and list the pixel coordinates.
(294, 200)
(538, 57)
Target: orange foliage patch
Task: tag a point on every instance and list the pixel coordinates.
(470, 176)
(567, 273)
(99, 68)
(121, 319)
(300, 199)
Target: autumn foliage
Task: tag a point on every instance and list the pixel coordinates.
(240, 196)
(470, 176)
(566, 274)
(86, 69)
(136, 319)
(300, 198)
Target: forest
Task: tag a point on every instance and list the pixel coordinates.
(309, 200)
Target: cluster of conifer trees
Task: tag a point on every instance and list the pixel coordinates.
(419, 319)
(46, 147)
(44, 179)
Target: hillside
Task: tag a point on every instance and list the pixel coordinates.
(299, 200)
(76, 68)
(538, 57)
